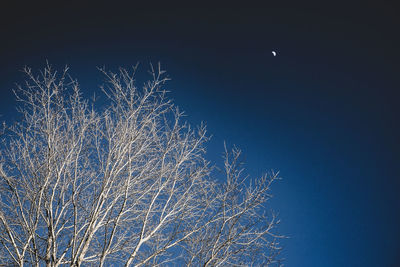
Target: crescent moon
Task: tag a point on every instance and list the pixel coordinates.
(274, 53)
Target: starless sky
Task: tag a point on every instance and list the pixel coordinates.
(324, 111)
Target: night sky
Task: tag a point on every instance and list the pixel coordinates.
(323, 111)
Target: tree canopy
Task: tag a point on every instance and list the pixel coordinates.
(124, 184)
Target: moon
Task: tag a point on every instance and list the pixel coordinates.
(274, 53)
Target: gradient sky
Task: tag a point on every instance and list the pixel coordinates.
(324, 111)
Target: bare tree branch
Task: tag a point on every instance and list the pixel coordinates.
(127, 184)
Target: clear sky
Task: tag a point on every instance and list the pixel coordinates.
(323, 111)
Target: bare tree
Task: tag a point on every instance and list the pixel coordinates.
(126, 184)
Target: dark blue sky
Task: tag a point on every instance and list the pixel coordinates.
(324, 111)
